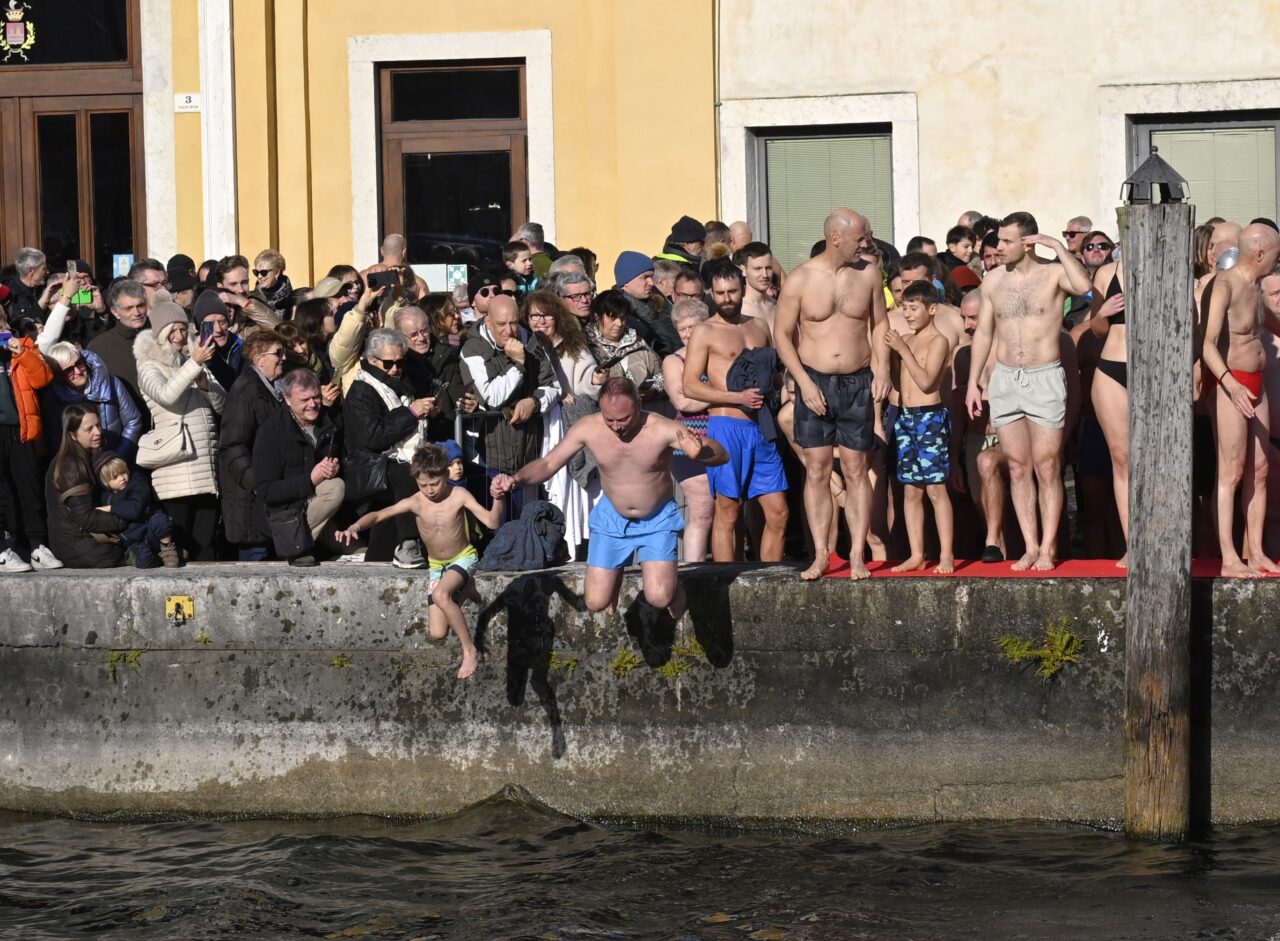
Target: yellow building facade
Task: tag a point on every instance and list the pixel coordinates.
(618, 122)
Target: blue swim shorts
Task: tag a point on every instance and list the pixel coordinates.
(615, 538)
(754, 468)
(923, 434)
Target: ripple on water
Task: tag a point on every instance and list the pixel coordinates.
(510, 867)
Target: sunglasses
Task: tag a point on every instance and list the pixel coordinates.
(278, 354)
(1068, 234)
(389, 363)
(490, 291)
(1098, 247)
(262, 272)
(78, 366)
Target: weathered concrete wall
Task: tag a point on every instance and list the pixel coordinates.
(320, 693)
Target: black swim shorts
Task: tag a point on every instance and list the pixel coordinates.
(851, 413)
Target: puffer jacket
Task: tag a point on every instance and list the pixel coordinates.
(167, 381)
(29, 372)
(122, 423)
(73, 517)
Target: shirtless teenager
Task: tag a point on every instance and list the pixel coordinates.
(637, 514)
(754, 470)
(755, 261)
(826, 313)
(1021, 307)
(1241, 411)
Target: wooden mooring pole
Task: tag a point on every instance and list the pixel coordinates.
(1155, 244)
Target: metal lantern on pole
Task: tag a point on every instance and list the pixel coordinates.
(1155, 172)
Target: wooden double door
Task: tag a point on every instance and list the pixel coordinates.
(71, 178)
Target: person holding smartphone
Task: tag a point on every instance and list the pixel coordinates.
(213, 319)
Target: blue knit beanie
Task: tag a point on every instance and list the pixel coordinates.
(630, 265)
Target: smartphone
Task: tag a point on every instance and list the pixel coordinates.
(81, 298)
(378, 279)
(72, 269)
(206, 333)
(5, 337)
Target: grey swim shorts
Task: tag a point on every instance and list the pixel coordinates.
(1036, 393)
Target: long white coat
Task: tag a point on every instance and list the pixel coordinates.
(167, 381)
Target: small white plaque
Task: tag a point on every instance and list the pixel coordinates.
(186, 103)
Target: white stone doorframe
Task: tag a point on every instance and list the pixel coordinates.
(363, 55)
(218, 129)
(161, 188)
(741, 118)
(1118, 103)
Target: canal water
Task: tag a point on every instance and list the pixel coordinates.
(508, 867)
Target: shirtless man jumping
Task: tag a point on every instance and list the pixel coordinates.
(636, 514)
(1021, 305)
(754, 470)
(826, 312)
(1240, 405)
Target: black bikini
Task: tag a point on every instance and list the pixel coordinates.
(1117, 370)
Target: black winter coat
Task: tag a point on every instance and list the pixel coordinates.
(283, 458)
(72, 517)
(368, 423)
(249, 405)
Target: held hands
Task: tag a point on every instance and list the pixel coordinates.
(325, 470)
(522, 411)
(514, 349)
(502, 485)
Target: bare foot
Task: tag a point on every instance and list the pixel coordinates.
(858, 571)
(913, 564)
(1237, 569)
(946, 566)
(1025, 562)
(817, 570)
(1043, 562)
(1123, 562)
(470, 659)
(1263, 564)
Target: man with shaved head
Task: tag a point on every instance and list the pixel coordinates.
(1240, 404)
(826, 313)
(1225, 235)
(969, 219)
(739, 236)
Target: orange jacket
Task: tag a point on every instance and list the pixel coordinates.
(29, 372)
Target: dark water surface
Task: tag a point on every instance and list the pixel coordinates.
(511, 868)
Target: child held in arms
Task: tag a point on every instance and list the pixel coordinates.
(519, 261)
(441, 512)
(923, 427)
(130, 497)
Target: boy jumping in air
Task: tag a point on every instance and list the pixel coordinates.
(441, 514)
(923, 428)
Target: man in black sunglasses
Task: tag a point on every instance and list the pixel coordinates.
(482, 288)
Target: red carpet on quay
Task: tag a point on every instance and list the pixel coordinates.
(1070, 568)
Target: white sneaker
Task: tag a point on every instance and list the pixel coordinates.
(42, 557)
(10, 561)
(408, 556)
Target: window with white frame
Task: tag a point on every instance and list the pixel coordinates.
(807, 172)
(1228, 159)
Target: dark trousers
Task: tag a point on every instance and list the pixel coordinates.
(384, 537)
(195, 525)
(23, 501)
(144, 539)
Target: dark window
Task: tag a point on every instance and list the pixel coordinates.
(54, 32)
(455, 95)
(456, 199)
(59, 188)
(109, 135)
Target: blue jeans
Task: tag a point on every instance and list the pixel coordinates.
(144, 539)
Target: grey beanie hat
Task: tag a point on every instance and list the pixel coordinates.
(164, 314)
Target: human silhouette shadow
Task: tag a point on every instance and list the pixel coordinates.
(653, 630)
(531, 633)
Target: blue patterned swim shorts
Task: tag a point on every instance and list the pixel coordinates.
(923, 435)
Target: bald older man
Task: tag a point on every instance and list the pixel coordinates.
(739, 235)
(1240, 404)
(1225, 235)
(822, 329)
